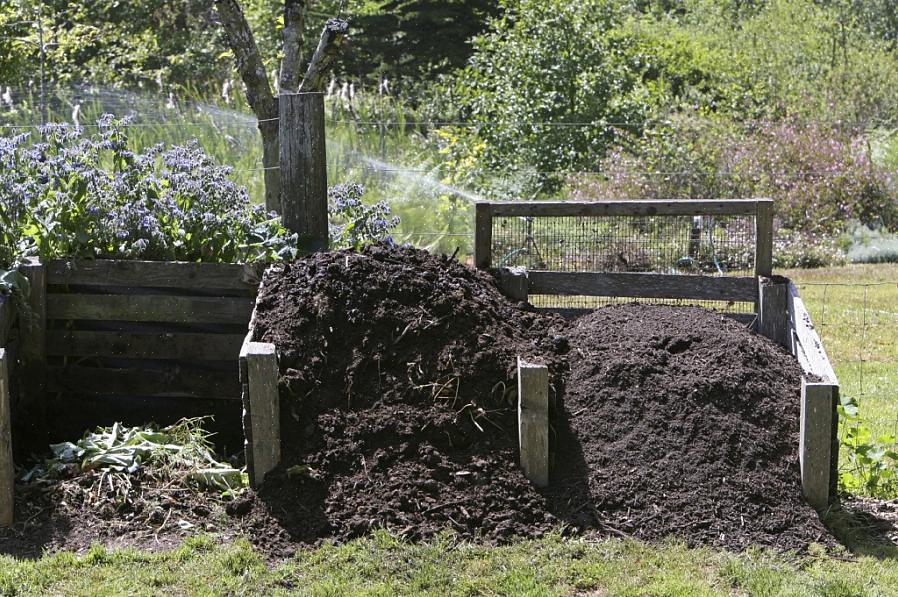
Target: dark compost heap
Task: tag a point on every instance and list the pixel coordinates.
(678, 421)
(398, 412)
(397, 389)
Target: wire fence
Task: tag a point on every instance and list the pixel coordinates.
(858, 325)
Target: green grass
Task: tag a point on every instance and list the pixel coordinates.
(855, 310)
(383, 565)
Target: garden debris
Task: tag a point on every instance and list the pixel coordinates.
(180, 453)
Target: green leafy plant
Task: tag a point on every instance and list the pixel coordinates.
(870, 465)
(180, 453)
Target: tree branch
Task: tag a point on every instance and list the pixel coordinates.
(333, 37)
(249, 61)
(294, 21)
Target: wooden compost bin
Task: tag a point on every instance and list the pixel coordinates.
(163, 336)
(779, 313)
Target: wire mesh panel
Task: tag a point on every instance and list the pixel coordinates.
(717, 244)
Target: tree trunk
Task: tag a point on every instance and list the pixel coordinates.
(258, 93)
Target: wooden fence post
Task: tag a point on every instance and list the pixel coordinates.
(764, 238)
(261, 409)
(7, 479)
(483, 235)
(773, 311)
(303, 167)
(533, 421)
(815, 442)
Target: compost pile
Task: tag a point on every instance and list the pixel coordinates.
(678, 421)
(398, 396)
(398, 412)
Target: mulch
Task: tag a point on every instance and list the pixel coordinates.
(398, 412)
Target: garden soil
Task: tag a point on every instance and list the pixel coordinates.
(398, 411)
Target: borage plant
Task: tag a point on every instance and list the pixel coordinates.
(72, 195)
(354, 223)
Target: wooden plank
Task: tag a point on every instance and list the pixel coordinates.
(746, 207)
(573, 312)
(815, 441)
(7, 469)
(262, 409)
(513, 282)
(764, 238)
(167, 309)
(182, 346)
(773, 310)
(533, 421)
(33, 348)
(154, 274)
(303, 168)
(806, 335)
(174, 382)
(639, 285)
(483, 235)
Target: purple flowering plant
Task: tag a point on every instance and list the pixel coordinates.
(68, 194)
(354, 223)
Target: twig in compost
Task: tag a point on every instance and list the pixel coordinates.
(441, 506)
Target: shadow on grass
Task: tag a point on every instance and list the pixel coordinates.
(863, 530)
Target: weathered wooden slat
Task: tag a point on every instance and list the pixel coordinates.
(572, 312)
(483, 235)
(154, 274)
(7, 470)
(747, 207)
(177, 382)
(639, 285)
(804, 333)
(261, 405)
(186, 346)
(773, 312)
(167, 309)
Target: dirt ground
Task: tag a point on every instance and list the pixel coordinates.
(398, 412)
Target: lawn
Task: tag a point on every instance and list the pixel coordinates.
(382, 565)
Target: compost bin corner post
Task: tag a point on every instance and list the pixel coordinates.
(261, 409)
(533, 421)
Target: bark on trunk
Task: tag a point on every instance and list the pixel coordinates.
(333, 37)
(258, 93)
(294, 20)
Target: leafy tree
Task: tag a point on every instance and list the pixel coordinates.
(415, 38)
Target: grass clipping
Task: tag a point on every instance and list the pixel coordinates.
(177, 455)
